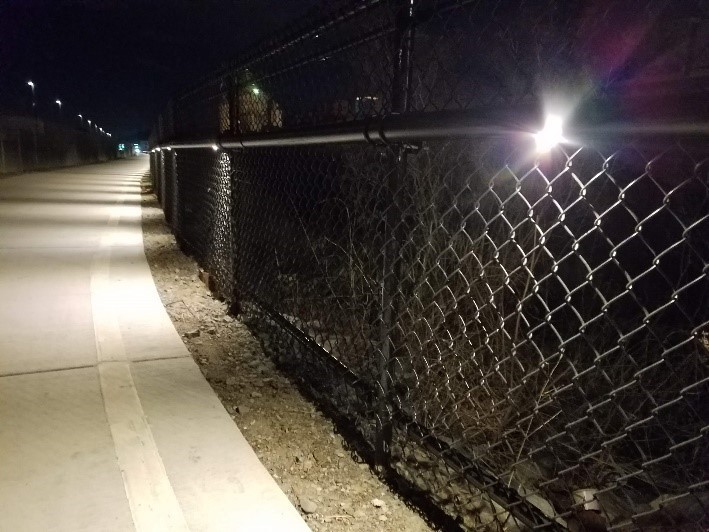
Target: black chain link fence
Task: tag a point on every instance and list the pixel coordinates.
(521, 337)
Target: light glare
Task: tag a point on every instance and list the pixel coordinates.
(550, 135)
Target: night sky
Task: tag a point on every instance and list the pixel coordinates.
(118, 61)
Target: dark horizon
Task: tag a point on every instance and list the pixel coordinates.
(117, 62)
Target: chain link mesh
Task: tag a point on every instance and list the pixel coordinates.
(522, 338)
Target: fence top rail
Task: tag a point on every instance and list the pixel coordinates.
(412, 128)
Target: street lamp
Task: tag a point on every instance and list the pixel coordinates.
(31, 84)
(81, 120)
(34, 112)
(59, 103)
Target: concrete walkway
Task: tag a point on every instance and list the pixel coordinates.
(106, 423)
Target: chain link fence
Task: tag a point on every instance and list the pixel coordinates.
(28, 144)
(520, 338)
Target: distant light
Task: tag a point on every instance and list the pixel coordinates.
(31, 84)
(215, 147)
(551, 135)
(256, 90)
(58, 102)
(168, 148)
(80, 116)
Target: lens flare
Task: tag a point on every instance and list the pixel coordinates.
(550, 135)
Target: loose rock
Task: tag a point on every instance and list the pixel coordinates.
(192, 334)
(308, 506)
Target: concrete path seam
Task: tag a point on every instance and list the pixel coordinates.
(152, 500)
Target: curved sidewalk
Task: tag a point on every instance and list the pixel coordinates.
(106, 423)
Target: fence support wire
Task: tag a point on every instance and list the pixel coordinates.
(519, 337)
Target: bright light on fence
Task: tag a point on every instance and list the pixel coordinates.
(551, 135)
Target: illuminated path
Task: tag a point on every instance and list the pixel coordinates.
(106, 423)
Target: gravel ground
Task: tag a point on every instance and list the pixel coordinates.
(299, 446)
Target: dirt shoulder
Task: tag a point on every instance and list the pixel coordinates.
(299, 446)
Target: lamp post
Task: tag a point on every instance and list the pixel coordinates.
(81, 119)
(34, 113)
(59, 103)
(34, 102)
(34, 129)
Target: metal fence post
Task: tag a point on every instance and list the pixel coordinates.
(234, 198)
(233, 95)
(174, 207)
(153, 170)
(391, 264)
